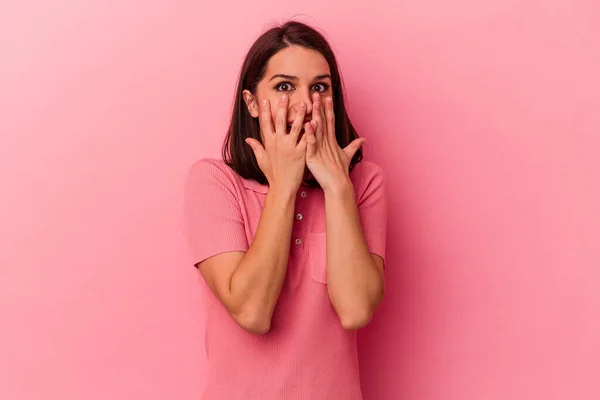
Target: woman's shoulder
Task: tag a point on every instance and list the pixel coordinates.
(217, 172)
(212, 166)
(365, 172)
(369, 167)
(208, 163)
(212, 170)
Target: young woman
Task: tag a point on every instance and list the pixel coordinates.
(288, 230)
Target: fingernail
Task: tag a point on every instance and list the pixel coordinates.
(329, 100)
(264, 102)
(302, 104)
(283, 98)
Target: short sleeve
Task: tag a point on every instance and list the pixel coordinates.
(212, 217)
(372, 205)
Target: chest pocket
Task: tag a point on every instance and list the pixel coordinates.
(317, 256)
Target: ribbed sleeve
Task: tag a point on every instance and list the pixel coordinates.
(373, 206)
(212, 218)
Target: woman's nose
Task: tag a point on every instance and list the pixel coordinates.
(304, 96)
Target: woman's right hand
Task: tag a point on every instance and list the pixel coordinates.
(282, 158)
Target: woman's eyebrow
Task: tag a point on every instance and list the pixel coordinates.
(284, 76)
(295, 78)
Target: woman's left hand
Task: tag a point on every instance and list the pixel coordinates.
(325, 159)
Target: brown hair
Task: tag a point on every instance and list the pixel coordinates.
(239, 155)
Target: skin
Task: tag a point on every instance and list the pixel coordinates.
(299, 74)
(294, 106)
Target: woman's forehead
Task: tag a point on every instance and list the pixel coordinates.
(299, 62)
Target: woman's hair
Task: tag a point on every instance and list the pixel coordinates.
(239, 155)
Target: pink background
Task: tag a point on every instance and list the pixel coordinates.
(485, 115)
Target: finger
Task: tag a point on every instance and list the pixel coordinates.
(322, 113)
(302, 144)
(264, 117)
(281, 116)
(353, 147)
(257, 148)
(297, 125)
(311, 140)
(330, 118)
(316, 117)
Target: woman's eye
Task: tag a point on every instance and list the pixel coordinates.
(284, 87)
(320, 87)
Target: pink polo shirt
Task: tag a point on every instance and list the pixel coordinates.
(306, 354)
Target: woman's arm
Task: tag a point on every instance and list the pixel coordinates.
(354, 276)
(248, 284)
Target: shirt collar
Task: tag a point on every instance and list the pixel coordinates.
(255, 186)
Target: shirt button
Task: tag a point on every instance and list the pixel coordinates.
(303, 194)
(298, 217)
(298, 240)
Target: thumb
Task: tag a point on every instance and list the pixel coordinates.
(353, 147)
(257, 147)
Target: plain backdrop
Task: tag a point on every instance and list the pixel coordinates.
(484, 114)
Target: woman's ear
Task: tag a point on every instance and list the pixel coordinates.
(251, 103)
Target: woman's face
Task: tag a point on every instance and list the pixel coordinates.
(297, 72)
